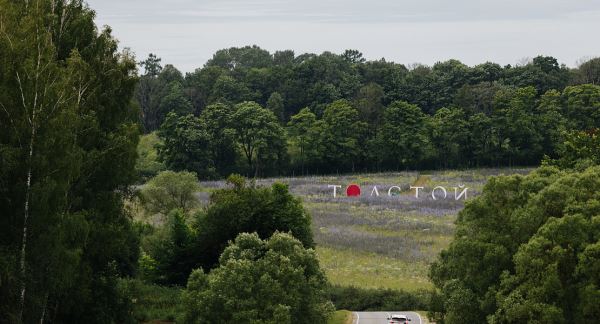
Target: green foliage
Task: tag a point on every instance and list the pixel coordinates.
(369, 102)
(582, 106)
(152, 65)
(208, 145)
(245, 208)
(552, 124)
(151, 302)
(268, 281)
(170, 255)
(342, 137)
(505, 116)
(147, 268)
(243, 58)
(174, 100)
(450, 136)
(147, 164)
(218, 121)
(159, 92)
(204, 144)
(361, 299)
(543, 73)
(186, 145)
(520, 251)
(67, 147)
(304, 131)
(173, 250)
(170, 190)
(579, 150)
(588, 72)
(403, 140)
(229, 90)
(519, 130)
(275, 105)
(260, 137)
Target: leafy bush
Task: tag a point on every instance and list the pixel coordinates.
(170, 256)
(170, 190)
(147, 164)
(152, 302)
(360, 299)
(177, 248)
(260, 281)
(579, 150)
(247, 209)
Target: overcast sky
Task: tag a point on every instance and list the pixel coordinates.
(186, 33)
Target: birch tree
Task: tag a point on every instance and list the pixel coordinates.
(64, 117)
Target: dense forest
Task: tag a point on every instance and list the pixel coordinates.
(257, 113)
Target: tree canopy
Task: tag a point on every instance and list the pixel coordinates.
(276, 280)
(246, 208)
(68, 138)
(525, 251)
(504, 115)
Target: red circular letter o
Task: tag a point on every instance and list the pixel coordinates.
(353, 190)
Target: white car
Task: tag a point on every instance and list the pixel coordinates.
(399, 319)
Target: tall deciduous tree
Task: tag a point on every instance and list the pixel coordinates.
(186, 145)
(369, 102)
(304, 131)
(259, 135)
(519, 129)
(219, 125)
(403, 140)
(589, 72)
(342, 137)
(159, 92)
(68, 146)
(275, 105)
(247, 208)
(582, 106)
(450, 136)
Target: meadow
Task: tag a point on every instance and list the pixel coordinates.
(382, 241)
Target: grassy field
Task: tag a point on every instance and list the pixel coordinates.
(382, 242)
(341, 317)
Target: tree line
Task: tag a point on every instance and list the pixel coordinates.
(518, 127)
(311, 114)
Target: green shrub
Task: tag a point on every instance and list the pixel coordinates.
(170, 190)
(360, 299)
(260, 281)
(246, 208)
(152, 302)
(147, 164)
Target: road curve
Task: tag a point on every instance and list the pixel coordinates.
(381, 317)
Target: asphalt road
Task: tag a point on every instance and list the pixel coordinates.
(381, 317)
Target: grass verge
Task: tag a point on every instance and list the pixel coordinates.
(341, 317)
